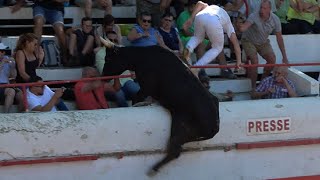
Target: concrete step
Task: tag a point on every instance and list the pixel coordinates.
(239, 85)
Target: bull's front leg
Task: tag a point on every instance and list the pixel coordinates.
(177, 139)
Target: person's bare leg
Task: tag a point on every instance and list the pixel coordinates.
(37, 29)
(58, 29)
(253, 71)
(88, 8)
(9, 94)
(271, 59)
(19, 99)
(72, 44)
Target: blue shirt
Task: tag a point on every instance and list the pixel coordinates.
(145, 41)
(5, 71)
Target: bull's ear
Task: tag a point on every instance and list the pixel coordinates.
(106, 42)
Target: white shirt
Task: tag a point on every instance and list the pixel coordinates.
(34, 101)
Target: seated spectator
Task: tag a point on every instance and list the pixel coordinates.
(186, 35)
(282, 11)
(302, 14)
(25, 55)
(81, 44)
(101, 53)
(170, 35)
(142, 34)
(7, 71)
(275, 86)
(129, 88)
(90, 94)
(105, 5)
(108, 25)
(42, 98)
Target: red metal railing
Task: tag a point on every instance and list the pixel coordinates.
(25, 85)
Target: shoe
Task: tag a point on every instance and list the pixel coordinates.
(227, 73)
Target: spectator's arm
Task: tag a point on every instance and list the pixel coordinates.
(259, 95)
(40, 55)
(312, 9)
(116, 84)
(118, 31)
(290, 88)
(20, 60)
(243, 26)
(53, 101)
(236, 46)
(181, 47)
(296, 5)
(133, 35)
(281, 47)
(16, 7)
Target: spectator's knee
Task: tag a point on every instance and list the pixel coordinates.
(10, 92)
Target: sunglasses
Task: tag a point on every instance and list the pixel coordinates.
(146, 21)
(168, 20)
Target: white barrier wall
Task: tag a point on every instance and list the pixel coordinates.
(139, 133)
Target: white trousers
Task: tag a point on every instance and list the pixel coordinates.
(210, 25)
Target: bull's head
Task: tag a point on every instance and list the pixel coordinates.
(116, 61)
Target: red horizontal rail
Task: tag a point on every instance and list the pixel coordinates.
(314, 177)
(239, 146)
(257, 65)
(49, 160)
(268, 144)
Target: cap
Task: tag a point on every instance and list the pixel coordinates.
(3, 47)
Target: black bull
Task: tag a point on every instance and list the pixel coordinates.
(163, 76)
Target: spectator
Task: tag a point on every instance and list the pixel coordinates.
(255, 39)
(105, 5)
(42, 98)
(211, 21)
(26, 59)
(155, 8)
(302, 13)
(7, 71)
(170, 35)
(108, 25)
(185, 35)
(276, 86)
(282, 11)
(142, 34)
(129, 88)
(90, 94)
(51, 11)
(101, 54)
(81, 44)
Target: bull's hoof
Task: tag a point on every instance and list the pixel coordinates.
(144, 103)
(152, 172)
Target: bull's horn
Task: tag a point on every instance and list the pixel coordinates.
(106, 42)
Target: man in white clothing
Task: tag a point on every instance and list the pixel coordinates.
(211, 21)
(42, 98)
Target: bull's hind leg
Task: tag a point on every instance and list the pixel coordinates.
(177, 139)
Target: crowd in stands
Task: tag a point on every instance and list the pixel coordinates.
(199, 27)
